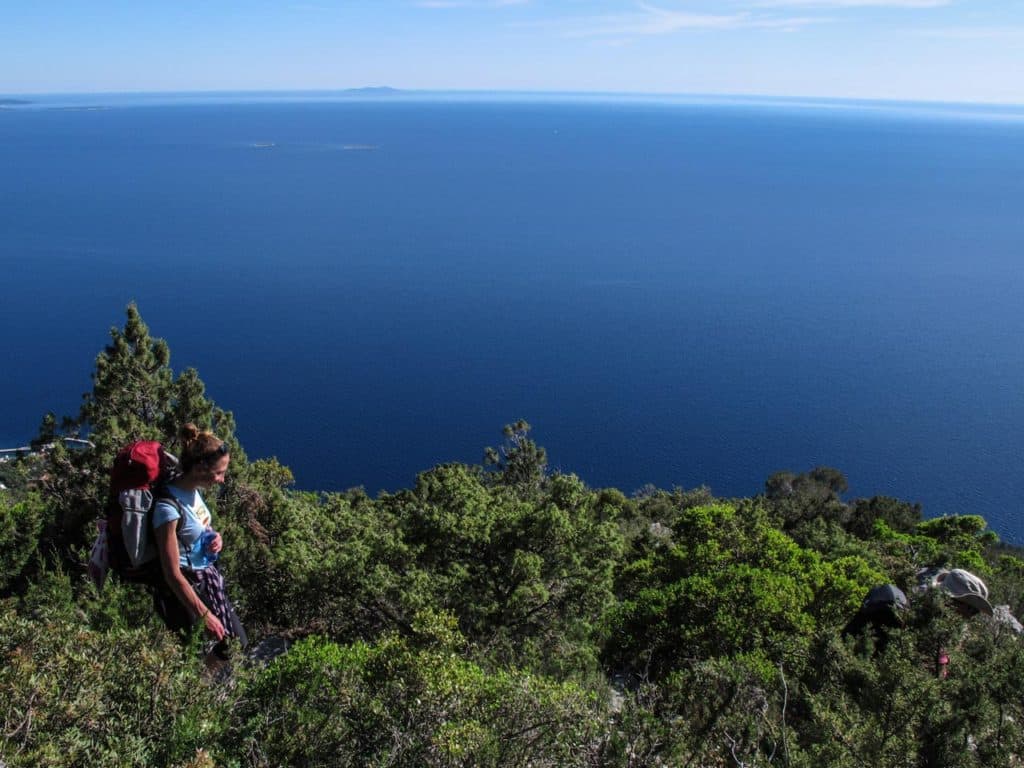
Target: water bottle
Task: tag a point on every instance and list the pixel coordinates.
(202, 554)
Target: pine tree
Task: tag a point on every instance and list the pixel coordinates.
(134, 397)
(519, 464)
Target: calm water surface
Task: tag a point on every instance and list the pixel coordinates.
(673, 292)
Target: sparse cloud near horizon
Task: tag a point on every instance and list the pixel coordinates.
(442, 4)
(838, 48)
(641, 18)
(650, 19)
(647, 19)
(975, 33)
(841, 4)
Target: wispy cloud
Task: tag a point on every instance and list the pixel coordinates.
(851, 3)
(652, 22)
(644, 18)
(468, 3)
(1009, 32)
(648, 19)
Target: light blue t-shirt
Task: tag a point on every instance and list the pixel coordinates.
(196, 520)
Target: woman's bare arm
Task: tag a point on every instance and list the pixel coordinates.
(167, 548)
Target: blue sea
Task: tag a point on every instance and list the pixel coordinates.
(677, 291)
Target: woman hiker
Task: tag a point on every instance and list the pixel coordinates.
(192, 589)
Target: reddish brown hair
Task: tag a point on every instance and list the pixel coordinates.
(199, 447)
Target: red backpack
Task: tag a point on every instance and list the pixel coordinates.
(141, 469)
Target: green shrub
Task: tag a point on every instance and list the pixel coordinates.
(21, 525)
(75, 696)
(391, 705)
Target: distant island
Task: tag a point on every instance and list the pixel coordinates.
(13, 102)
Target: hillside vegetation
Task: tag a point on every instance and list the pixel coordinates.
(492, 615)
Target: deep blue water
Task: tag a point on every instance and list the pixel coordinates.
(671, 291)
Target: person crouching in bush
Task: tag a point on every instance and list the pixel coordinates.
(192, 589)
(883, 609)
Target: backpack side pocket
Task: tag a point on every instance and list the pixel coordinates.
(135, 505)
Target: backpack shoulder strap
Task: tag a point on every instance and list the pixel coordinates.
(160, 493)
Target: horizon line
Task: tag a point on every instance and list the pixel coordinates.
(384, 91)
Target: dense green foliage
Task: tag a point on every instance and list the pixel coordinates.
(492, 615)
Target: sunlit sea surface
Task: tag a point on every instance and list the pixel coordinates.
(677, 291)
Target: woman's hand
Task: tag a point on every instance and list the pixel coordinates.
(213, 625)
(217, 544)
(167, 547)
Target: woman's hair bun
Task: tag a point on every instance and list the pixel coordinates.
(198, 446)
(189, 434)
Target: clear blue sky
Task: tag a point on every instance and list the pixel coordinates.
(961, 50)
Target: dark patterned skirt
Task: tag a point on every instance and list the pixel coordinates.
(208, 584)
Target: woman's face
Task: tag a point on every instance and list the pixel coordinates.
(213, 474)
